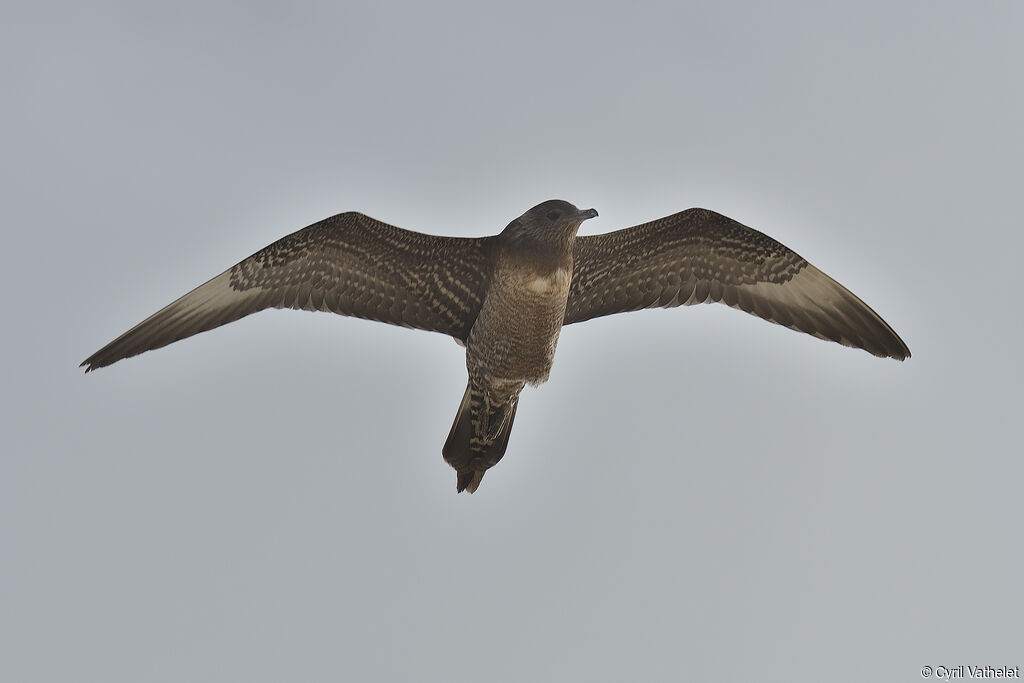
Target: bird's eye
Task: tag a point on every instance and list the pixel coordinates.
(553, 216)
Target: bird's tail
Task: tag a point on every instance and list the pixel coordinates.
(479, 436)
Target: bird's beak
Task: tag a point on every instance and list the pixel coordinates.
(587, 213)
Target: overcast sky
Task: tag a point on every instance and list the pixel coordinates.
(695, 493)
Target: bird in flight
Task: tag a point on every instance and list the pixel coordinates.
(506, 297)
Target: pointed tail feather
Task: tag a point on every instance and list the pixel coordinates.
(479, 436)
(468, 480)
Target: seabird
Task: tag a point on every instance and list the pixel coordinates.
(506, 297)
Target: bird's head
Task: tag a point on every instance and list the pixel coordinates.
(552, 221)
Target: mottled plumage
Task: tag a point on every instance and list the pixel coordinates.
(507, 297)
(699, 256)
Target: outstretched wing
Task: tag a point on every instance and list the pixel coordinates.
(699, 256)
(349, 264)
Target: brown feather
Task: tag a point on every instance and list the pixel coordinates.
(699, 256)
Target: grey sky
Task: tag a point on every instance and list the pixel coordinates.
(694, 494)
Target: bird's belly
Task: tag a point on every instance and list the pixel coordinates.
(515, 335)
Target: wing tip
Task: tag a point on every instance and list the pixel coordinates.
(891, 346)
(94, 362)
(901, 354)
(895, 355)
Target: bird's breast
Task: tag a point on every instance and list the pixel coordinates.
(547, 283)
(515, 334)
